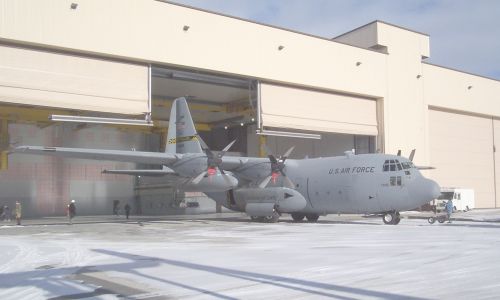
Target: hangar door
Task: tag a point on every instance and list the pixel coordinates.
(287, 107)
(461, 149)
(35, 77)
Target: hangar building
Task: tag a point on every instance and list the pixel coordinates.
(369, 89)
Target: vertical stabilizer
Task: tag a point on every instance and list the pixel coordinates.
(182, 136)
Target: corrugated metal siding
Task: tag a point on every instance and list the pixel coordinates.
(287, 107)
(41, 78)
(462, 152)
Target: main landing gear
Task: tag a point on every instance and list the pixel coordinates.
(267, 219)
(297, 217)
(391, 218)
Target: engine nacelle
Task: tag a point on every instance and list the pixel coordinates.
(260, 209)
(212, 183)
(262, 202)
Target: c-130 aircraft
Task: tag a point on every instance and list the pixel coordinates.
(266, 188)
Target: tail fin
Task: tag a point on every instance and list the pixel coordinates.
(182, 136)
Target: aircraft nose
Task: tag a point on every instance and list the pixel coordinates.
(433, 189)
(423, 191)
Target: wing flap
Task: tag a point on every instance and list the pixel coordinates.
(158, 173)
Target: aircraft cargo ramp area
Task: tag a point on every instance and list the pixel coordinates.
(226, 256)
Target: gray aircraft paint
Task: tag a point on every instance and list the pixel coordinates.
(364, 188)
(182, 136)
(343, 184)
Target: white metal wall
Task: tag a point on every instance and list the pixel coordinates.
(461, 149)
(42, 78)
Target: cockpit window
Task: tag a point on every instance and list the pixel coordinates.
(392, 165)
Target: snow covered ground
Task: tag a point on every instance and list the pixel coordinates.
(232, 258)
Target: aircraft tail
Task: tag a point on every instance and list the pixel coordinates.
(182, 136)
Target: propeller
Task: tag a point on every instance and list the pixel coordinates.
(214, 162)
(412, 154)
(277, 166)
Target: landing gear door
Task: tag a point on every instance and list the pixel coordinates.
(342, 199)
(364, 194)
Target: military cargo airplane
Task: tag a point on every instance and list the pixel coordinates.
(266, 188)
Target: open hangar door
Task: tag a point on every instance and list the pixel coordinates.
(462, 151)
(35, 85)
(336, 122)
(221, 106)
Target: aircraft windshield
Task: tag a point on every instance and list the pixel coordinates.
(392, 165)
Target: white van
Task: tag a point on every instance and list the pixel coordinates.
(463, 199)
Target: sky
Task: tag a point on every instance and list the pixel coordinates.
(464, 34)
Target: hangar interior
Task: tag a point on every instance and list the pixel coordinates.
(369, 90)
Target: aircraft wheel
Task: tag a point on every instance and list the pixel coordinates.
(388, 218)
(441, 220)
(255, 218)
(312, 217)
(396, 221)
(431, 220)
(298, 217)
(272, 218)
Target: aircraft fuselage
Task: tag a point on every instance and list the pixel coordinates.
(351, 184)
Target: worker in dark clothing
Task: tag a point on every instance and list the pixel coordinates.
(127, 210)
(18, 212)
(6, 213)
(449, 209)
(71, 211)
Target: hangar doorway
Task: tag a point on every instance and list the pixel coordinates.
(462, 151)
(226, 108)
(221, 106)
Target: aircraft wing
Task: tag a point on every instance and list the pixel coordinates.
(169, 177)
(162, 172)
(233, 162)
(154, 158)
(249, 168)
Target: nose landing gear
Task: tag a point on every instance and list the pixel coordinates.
(391, 218)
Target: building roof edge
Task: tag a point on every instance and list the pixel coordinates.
(465, 72)
(263, 24)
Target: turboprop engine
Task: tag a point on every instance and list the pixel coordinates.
(212, 183)
(258, 202)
